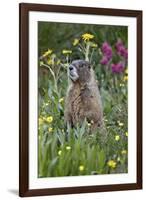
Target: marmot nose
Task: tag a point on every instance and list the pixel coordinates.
(70, 67)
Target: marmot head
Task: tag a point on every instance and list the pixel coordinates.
(80, 70)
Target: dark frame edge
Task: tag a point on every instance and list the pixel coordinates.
(80, 190)
(139, 98)
(23, 102)
(79, 9)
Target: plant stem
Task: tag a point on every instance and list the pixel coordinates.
(87, 51)
(53, 74)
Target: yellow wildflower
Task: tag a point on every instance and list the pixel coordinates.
(81, 168)
(126, 71)
(120, 123)
(44, 118)
(118, 159)
(121, 85)
(123, 152)
(59, 152)
(117, 137)
(112, 164)
(93, 45)
(40, 121)
(75, 42)
(87, 36)
(50, 129)
(89, 124)
(61, 100)
(58, 62)
(125, 78)
(49, 119)
(68, 148)
(50, 61)
(47, 53)
(126, 133)
(65, 51)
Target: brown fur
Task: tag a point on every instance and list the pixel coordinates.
(83, 100)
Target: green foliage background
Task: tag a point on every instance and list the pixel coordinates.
(64, 151)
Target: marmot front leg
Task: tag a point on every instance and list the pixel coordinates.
(68, 119)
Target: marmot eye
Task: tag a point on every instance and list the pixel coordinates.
(82, 65)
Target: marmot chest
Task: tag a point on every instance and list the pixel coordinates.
(80, 102)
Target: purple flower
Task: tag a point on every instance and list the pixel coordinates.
(106, 50)
(123, 52)
(121, 49)
(117, 68)
(107, 53)
(118, 44)
(104, 60)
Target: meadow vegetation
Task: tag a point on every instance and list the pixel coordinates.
(65, 151)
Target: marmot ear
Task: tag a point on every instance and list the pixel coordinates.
(88, 64)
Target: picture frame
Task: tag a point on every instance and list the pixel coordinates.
(24, 100)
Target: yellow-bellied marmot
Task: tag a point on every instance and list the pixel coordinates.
(83, 99)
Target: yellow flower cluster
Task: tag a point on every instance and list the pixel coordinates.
(120, 123)
(48, 52)
(123, 152)
(117, 137)
(121, 85)
(81, 168)
(50, 129)
(65, 51)
(49, 119)
(87, 36)
(59, 152)
(68, 148)
(40, 121)
(61, 100)
(58, 62)
(75, 42)
(93, 45)
(50, 61)
(126, 75)
(125, 78)
(112, 164)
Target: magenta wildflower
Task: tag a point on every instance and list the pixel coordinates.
(107, 50)
(104, 60)
(119, 44)
(107, 53)
(121, 49)
(117, 68)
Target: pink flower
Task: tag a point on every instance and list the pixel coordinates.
(107, 50)
(107, 53)
(121, 49)
(117, 68)
(104, 60)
